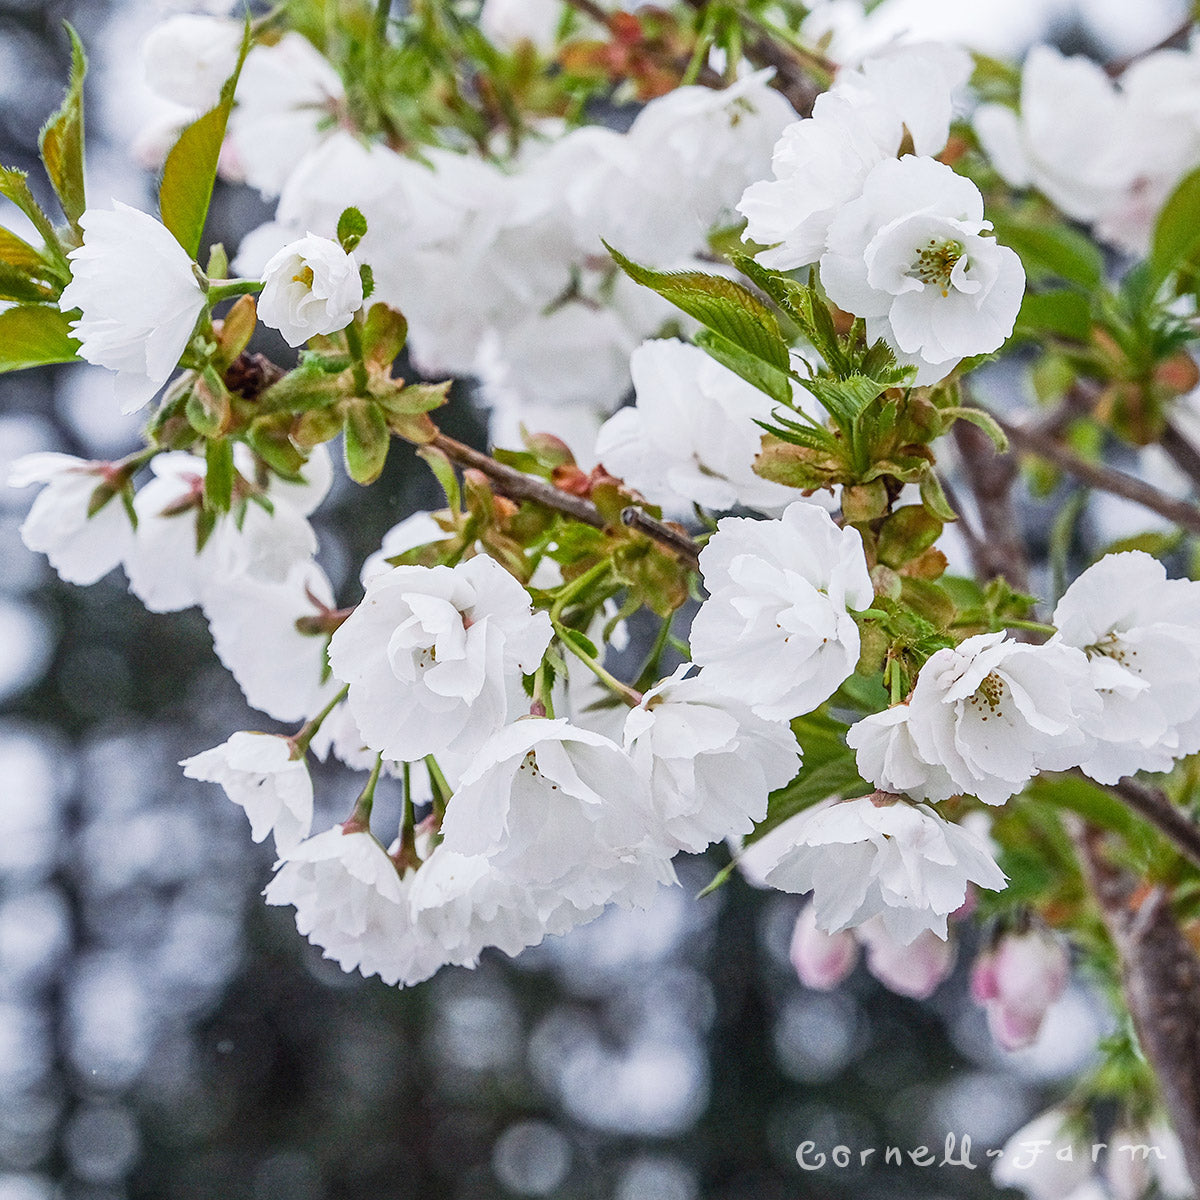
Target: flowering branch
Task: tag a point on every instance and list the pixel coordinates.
(1161, 978)
(1107, 479)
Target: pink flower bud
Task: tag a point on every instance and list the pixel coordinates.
(1017, 982)
(822, 960)
(915, 970)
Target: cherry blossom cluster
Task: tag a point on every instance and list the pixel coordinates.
(473, 673)
(1105, 152)
(899, 241)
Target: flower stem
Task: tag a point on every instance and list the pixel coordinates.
(631, 696)
(304, 735)
(227, 289)
(354, 343)
(576, 586)
(360, 819)
(442, 791)
(407, 856)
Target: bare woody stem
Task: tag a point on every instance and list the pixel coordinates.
(516, 485)
(1097, 475)
(1155, 807)
(1000, 551)
(1160, 975)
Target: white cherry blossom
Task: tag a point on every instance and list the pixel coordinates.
(888, 757)
(262, 774)
(880, 856)
(433, 656)
(280, 666)
(909, 255)
(1140, 632)
(310, 287)
(776, 630)
(691, 438)
(350, 901)
(187, 58)
(138, 297)
(711, 761)
(992, 713)
(564, 812)
(81, 548)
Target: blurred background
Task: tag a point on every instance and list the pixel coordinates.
(165, 1036)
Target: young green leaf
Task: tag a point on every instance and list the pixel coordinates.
(768, 379)
(61, 140)
(351, 228)
(218, 477)
(722, 305)
(366, 440)
(34, 335)
(14, 185)
(191, 167)
(1176, 240)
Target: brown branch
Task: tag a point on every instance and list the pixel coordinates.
(1001, 549)
(1182, 452)
(1160, 974)
(1097, 475)
(671, 537)
(508, 481)
(1155, 807)
(1176, 38)
(791, 77)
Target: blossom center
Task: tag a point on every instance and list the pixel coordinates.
(305, 276)
(988, 695)
(1112, 647)
(935, 262)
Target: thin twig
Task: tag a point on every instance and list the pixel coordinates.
(518, 486)
(1182, 452)
(669, 536)
(1161, 980)
(1107, 479)
(1178, 35)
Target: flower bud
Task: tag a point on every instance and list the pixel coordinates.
(310, 287)
(1017, 982)
(822, 960)
(916, 970)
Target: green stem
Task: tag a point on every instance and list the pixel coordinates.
(382, 13)
(631, 697)
(407, 855)
(360, 819)
(543, 686)
(576, 586)
(442, 791)
(1033, 626)
(649, 672)
(227, 289)
(304, 735)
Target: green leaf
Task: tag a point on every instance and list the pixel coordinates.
(207, 409)
(1176, 239)
(845, 399)
(443, 470)
(722, 305)
(906, 534)
(218, 478)
(579, 641)
(21, 256)
(34, 335)
(984, 420)
(351, 228)
(1088, 799)
(933, 496)
(1063, 312)
(384, 333)
(16, 285)
(416, 398)
(191, 167)
(750, 367)
(829, 769)
(14, 185)
(61, 140)
(366, 440)
(1052, 251)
